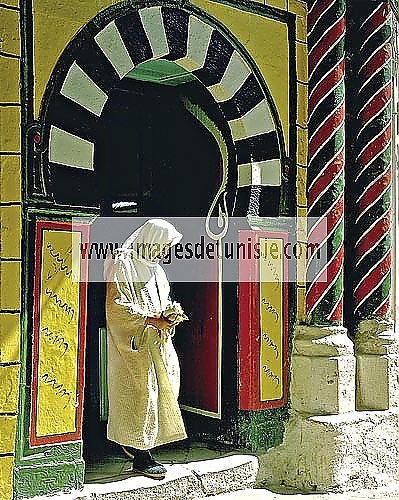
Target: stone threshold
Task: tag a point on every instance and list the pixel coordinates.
(197, 479)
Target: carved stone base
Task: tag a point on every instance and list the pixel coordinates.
(346, 452)
(327, 445)
(377, 372)
(322, 371)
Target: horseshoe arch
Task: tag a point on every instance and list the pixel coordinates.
(111, 46)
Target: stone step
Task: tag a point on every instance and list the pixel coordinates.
(187, 481)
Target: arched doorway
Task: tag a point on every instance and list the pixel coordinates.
(92, 77)
(164, 163)
(117, 42)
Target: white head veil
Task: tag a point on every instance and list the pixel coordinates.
(150, 238)
(146, 243)
(134, 268)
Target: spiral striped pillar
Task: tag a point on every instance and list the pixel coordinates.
(372, 176)
(325, 176)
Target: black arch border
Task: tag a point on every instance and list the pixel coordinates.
(38, 192)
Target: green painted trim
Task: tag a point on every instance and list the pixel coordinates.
(31, 481)
(220, 197)
(162, 72)
(56, 213)
(289, 191)
(27, 79)
(204, 119)
(262, 429)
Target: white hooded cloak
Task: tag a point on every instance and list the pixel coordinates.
(143, 370)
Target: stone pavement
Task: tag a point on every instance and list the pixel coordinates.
(262, 494)
(194, 472)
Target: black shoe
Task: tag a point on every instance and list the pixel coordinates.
(150, 469)
(144, 464)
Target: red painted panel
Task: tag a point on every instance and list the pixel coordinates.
(35, 440)
(197, 345)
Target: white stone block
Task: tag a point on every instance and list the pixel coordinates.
(322, 371)
(377, 373)
(346, 452)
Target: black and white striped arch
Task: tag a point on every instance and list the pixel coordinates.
(105, 57)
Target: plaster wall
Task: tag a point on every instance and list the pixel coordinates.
(54, 25)
(10, 238)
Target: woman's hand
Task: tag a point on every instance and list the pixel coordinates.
(160, 323)
(174, 313)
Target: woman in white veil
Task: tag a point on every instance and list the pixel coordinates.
(143, 369)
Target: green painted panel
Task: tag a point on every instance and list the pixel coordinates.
(161, 71)
(49, 479)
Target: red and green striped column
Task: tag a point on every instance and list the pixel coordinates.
(370, 233)
(371, 177)
(325, 176)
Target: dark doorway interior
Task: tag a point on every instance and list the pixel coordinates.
(155, 153)
(152, 153)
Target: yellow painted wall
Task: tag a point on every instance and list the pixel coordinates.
(54, 25)
(299, 8)
(10, 237)
(6, 470)
(266, 40)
